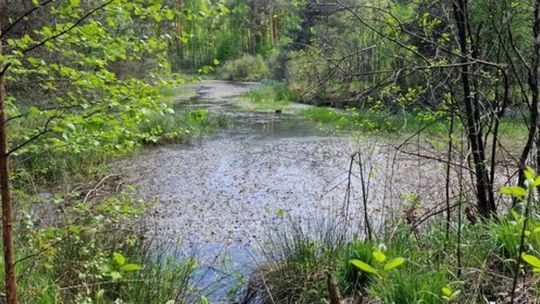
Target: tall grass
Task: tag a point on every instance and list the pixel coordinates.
(269, 97)
(182, 126)
(399, 122)
(297, 262)
(488, 250)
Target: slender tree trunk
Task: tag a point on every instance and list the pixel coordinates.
(486, 203)
(7, 218)
(179, 31)
(533, 80)
(448, 176)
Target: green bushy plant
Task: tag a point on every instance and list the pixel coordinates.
(352, 277)
(246, 68)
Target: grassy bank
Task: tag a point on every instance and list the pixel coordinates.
(404, 265)
(61, 166)
(269, 97)
(84, 247)
(400, 122)
(277, 97)
(178, 124)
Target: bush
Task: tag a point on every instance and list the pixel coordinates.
(246, 68)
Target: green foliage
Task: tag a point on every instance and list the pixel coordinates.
(351, 277)
(411, 286)
(89, 255)
(533, 261)
(524, 230)
(382, 265)
(429, 276)
(370, 121)
(449, 294)
(246, 68)
(86, 98)
(297, 264)
(340, 120)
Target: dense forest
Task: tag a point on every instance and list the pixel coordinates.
(356, 151)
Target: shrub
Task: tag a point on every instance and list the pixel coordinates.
(246, 68)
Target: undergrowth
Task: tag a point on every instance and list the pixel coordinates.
(181, 126)
(84, 248)
(407, 264)
(50, 166)
(403, 122)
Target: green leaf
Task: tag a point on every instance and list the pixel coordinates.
(394, 264)
(216, 62)
(100, 295)
(74, 3)
(529, 173)
(119, 258)
(115, 275)
(158, 17)
(379, 256)
(169, 15)
(132, 267)
(106, 269)
(364, 266)
(515, 191)
(447, 291)
(156, 7)
(531, 260)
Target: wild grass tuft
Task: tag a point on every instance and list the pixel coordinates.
(182, 126)
(269, 97)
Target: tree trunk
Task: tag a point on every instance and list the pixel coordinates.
(7, 218)
(179, 32)
(484, 191)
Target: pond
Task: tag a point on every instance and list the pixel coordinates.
(221, 199)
